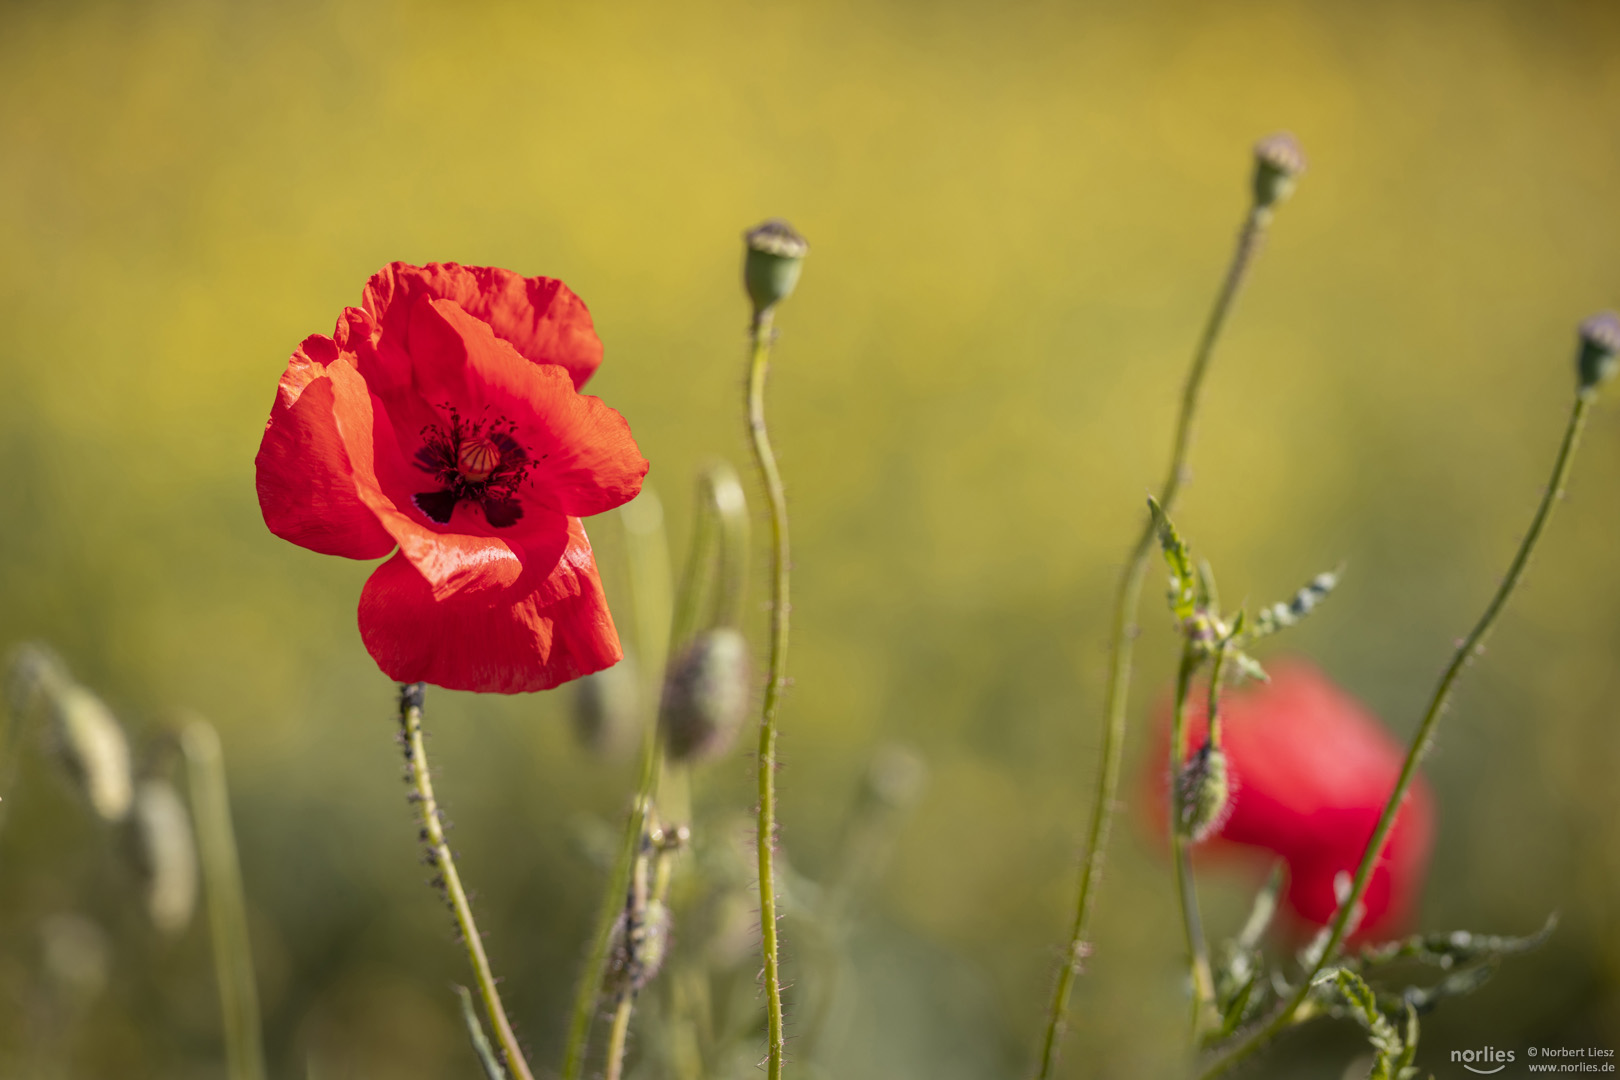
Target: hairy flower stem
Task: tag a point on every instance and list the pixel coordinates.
(1470, 647)
(441, 859)
(618, 1036)
(227, 910)
(649, 582)
(1122, 640)
(1203, 983)
(766, 460)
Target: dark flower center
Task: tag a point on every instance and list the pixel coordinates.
(478, 461)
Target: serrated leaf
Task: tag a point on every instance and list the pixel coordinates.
(1458, 947)
(1183, 577)
(1247, 667)
(1281, 616)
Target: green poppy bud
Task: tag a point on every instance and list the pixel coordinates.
(607, 709)
(1206, 793)
(1600, 342)
(92, 747)
(640, 944)
(706, 695)
(1278, 163)
(771, 263)
(165, 854)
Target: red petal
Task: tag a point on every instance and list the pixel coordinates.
(539, 317)
(305, 478)
(529, 637)
(585, 459)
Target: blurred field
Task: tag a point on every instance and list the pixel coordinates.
(1018, 215)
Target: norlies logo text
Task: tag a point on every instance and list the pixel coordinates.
(1487, 1056)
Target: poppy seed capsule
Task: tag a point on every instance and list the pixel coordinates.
(477, 459)
(165, 854)
(771, 263)
(706, 695)
(1600, 343)
(93, 749)
(1205, 791)
(1278, 163)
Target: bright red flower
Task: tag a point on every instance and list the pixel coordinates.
(443, 418)
(1311, 770)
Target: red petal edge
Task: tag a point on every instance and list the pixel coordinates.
(520, 640)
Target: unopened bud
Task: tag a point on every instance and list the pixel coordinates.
(706, 695)
(93, 749)
(1600, 342)
(640, 944)
(165, 854)
(771, 263)
(1278, 163)
(1205, 793)
(607, 709)
(896, 776)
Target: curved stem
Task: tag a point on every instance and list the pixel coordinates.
(1122, 640)
(441, 859)
(766, 460)
(1203, 983)
(1470, 647)
(227, 909)
(649, 582)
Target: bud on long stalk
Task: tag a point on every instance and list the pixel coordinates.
(165, 854)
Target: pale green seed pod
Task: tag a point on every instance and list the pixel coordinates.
(771, 263)
(1206, 793)
(165, 854)
(1278, 163)
(1596, 362)
(706, 695)
(92, 747)
(607, 709)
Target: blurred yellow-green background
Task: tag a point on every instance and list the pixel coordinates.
(1018, 214)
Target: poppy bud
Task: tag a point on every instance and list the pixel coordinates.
(640, 944)
(165, 855)
(92, 746)
(1278, 163)
(1600, 342)
(706, 695)
(771, 264)
(607, 709)
(1205, 788)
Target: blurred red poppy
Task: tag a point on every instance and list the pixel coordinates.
(1311, 769)
(443, 418)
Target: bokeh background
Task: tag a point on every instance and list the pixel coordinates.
(1018, 214)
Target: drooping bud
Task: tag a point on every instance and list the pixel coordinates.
(706, 695)
(1600, 343)
(1278, 163)
(640, 944)
(895, 778)
(76, 956)
(1205, 789)
(92, 747)
(166, 855)
(607, 709)
(771, 263)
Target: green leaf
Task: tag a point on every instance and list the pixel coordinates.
(1183, 577)
(480, 1041)
(1454, 949)
(1281, 616)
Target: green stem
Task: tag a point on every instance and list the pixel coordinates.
(1203, 983)
(442, 860)
(227, 909)
(618, 1036)
(766, 460)
(1470, 647)
(649, 582)
(1122, 642)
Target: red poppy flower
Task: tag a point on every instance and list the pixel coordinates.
(443, 418)
(1311, 770)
